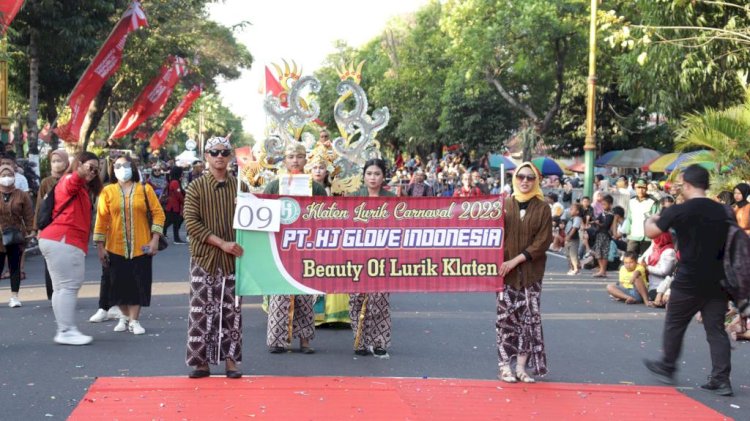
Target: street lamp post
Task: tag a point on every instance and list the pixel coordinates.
(590, 145)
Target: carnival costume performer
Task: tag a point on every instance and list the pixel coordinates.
(371, 313)
(329, 308)
(528, 233)
(291, 316)
(215, 323)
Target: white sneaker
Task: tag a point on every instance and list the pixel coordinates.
(72, 337)
(14, 302)
(136, 328)
(122, 324)
(114, 312)
(99, 316)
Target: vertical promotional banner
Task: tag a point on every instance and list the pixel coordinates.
(104, 65)
(153, 97)
(175, 117)
(372, 244)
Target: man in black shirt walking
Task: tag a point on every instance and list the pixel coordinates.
(701, 226)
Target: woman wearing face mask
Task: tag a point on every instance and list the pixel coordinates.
(64, 242)
(371, 313)
(126, 242)
(16, 222)
(528, 225)
(741, 209)
(59, 162)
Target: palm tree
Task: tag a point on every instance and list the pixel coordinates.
(724, 133)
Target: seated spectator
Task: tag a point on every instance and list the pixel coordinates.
(632, 285)
(660, 260)
(417, 187)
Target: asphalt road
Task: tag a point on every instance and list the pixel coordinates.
(589, 339)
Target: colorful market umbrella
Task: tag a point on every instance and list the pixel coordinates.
(547, 166)
(602, 160)
(660, 164)
(496, 160)
(688, 158)
(633, 158)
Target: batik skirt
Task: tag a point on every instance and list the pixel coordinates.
(519, 327)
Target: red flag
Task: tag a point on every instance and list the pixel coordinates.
(153, 97)
(8, 11)
(104, 65)
(175, 116)
(273, 86)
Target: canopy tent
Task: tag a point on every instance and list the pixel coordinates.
(633, 158)
(185, 159)
(689, 158)
(496, 160)
(604, 159)
(660, 164)
(547, 166)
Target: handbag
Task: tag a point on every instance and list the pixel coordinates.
(163, 244)
(13, 237)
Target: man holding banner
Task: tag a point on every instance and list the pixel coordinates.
(215, 320)
(292, 316)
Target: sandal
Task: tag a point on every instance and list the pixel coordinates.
(199, 374)
(307, 350)
(506, 375)
(276, 349)
(523, 377)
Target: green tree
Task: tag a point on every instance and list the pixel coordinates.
(679, 56)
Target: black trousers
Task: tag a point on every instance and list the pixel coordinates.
(175, 220)
(680, 311)
(13, 253)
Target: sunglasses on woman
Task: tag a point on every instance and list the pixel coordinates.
(528, 177)
(123, 165)
(216, 152)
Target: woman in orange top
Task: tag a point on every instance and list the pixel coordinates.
(741, 209)
(122, 224)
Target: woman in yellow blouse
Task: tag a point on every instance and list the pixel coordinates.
(122, 224)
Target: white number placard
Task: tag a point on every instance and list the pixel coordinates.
(255, 214)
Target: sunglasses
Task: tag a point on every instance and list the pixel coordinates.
(528, 177)
(123, 165)
(93, 170)
(216, 152)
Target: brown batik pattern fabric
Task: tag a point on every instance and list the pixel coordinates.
(376, 326)
(303, 324)
(519, 327)
(207, 306)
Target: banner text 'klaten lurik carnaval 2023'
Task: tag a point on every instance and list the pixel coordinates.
(375, 244)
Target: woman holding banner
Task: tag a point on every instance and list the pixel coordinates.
(528, 233)
(371, 313)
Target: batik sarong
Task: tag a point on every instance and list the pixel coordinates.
(303, 319)
(376, 323)
(519, 327)
(215, 322)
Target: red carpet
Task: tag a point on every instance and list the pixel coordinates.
(372, 398)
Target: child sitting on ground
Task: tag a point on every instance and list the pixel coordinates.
(633, 285)
(660, 260)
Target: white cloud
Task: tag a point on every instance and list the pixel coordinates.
(299, 30)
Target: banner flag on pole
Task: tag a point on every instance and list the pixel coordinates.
(151, 101)
(105, 64)
(174, 118)
(8, 11)
(370, 244)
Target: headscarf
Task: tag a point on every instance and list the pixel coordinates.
(536, 191)
(662, 242)
(217, 140)
(62, 154)
(744, 188)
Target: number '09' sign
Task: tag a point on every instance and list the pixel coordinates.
(254, 214)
